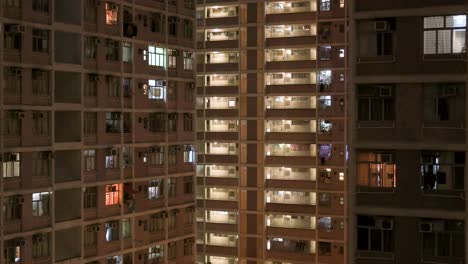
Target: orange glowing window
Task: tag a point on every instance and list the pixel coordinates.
(112, 194)
(112, 13)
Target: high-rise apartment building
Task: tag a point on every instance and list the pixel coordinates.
(97, 143)
(271, 133)
(408, 136)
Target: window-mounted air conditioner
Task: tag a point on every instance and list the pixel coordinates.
(381, 25)
(386, 158)
(425, 227)
(385, 224)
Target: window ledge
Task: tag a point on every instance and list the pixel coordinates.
(376, 124)
(444, 57)
(375, 255)
(376, 59)
(443, 124)
(375, 190)
(444, 193)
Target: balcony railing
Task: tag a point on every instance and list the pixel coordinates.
(221, 11)
(221, 240)
(219, 260)
(221, 126)
(220, 171)
(223, 194)
(222, 35)
(220, 80)
(221, 148)
(290, 126)
(291, 197)
(290, 7)
(291, 150)
(220, 102)
(221, 57)
(290, 54)
(291, 221)
(282, 173)
(221, 217)
(290, 78)
(289, 31)
(289, 245)
(290, 102)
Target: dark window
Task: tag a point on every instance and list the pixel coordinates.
(40, 40)
(376, 103)
(173, 22)
(41, 5)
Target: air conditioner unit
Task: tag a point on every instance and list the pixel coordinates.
(20, 242)
(38, 115)
(18, 199)
(385, 224)
(449, 91)
(94, 77)
(386, 158)
(15, 71)
(17, 29)
(18, 115)
(425, 227)
(381, 25)
(385, 91)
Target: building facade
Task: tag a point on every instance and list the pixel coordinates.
(97, 143)
(271, 134)
(407, 132)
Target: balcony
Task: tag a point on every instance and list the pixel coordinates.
(302, 130)
(221, 194)
(222, 38)
(221, 126)
(290, 83)
(291, 197)
(219, 61)
(218, 260)
(224, 240)
(290, 221)
(290, 150)
(289, 7)
(294, 250)
(291, 201)
(294, 178)
(280, 59)
(221, 80)
(283, 35)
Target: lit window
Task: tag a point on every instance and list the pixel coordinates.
(112, 194)
(156, 56)
(112, 159)
(444, 34)
(157, 89)
(188, 60)
(112, 13)
(376, 170)
(112, 231)
(342, 53)
(189, 154)
(126, 228)
(127, 52)
(155, 189)
(40, 203)
(11, 165)
(325, 5)
(342, 3)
